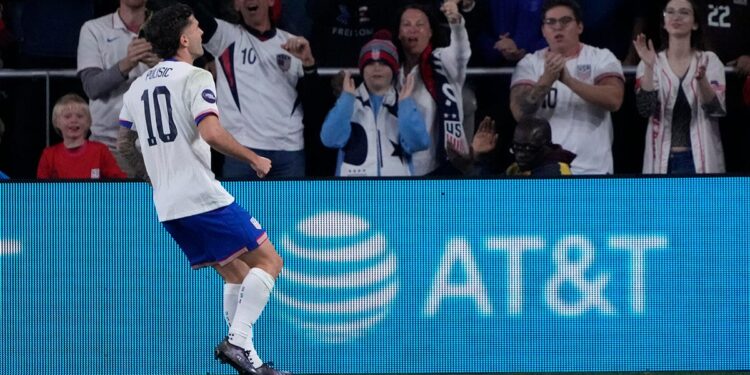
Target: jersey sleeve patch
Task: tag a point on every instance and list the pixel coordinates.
(209, 96)
(126, 123)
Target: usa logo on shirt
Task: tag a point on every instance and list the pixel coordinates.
(583, 72)
(284, 61)
(209, 96)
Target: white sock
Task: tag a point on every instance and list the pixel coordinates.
(253, 297)
(231, 295)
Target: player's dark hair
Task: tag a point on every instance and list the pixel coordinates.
(164, 28)
(572, 4)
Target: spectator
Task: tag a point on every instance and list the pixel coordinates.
(574, 86)
(439, 77)
(76, 157)
(110, 57)
(263, 76)
(46, 32)
(681, 90)
(376, 129)
(532, 147)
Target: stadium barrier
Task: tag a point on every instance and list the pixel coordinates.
(391, 276)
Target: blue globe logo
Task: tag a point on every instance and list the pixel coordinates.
(339, 279)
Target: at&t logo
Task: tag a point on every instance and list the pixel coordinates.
(340, 277)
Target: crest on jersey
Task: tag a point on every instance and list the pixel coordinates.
(284, 62)
(583, 72)
(209, 96)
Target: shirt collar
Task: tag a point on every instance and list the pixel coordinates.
(263, 36)
(117, 22)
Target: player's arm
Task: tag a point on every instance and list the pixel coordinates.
(217, 137)
(126, 139)
(608, 93)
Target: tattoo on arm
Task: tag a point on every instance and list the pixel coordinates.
(126, 147)
(530, 99)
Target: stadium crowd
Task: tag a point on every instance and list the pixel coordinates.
(627, 87)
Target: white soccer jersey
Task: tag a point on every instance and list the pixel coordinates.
(257, 83)
(164, 106)
(103, 42)
(577, 125)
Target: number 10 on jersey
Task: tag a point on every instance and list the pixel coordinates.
(162, 91)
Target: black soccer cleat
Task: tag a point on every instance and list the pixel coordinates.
(234, 356)
(267, 369)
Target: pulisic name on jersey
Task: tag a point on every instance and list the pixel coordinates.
(158, 73)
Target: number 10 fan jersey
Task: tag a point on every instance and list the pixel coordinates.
(165, 105)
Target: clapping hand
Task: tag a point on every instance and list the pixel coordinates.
(348, 83)
(742, 64)
(645, 50)
(700, 71)
(408, 87)
(507, 46)
(485, 139)
(138, 51)
(554, 63)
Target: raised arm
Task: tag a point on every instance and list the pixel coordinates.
(337, 127)
(99, 80)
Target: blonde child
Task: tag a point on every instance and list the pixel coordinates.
(76, 157)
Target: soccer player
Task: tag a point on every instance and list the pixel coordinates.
(173, 109)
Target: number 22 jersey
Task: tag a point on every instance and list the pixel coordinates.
(165, 105)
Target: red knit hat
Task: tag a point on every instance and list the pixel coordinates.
(380, 48)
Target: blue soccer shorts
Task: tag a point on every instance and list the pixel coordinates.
(216, 237)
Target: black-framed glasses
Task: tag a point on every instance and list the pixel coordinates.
(562, 21)
(524, 147)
